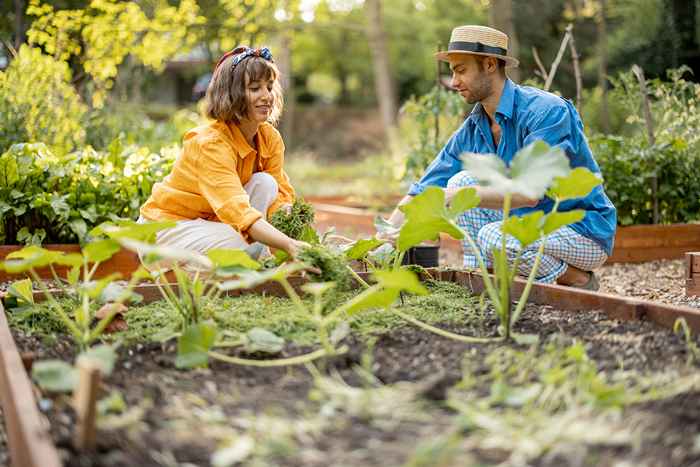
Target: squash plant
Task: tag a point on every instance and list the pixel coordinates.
(536, 170)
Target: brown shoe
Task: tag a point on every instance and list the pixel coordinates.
(592, 283)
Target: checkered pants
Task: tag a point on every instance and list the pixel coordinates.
(563, 247)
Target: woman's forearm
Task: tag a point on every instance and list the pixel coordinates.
(263, 232)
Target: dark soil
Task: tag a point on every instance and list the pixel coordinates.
(166, 435)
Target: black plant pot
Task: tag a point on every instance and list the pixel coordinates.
(424, 255)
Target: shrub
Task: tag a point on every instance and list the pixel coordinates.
(39, 104)
(58, 199)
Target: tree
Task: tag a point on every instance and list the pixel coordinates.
(383, 80)
(501, 18)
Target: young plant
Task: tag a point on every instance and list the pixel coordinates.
(78, 322)
(533, 170)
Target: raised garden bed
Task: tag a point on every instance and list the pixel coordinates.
(418, 399)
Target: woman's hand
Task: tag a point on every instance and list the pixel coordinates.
(295, 246)
(286, 208)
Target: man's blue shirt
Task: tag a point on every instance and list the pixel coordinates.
(526, 114)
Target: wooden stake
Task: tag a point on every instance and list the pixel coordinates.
(577, 68)
(639, 73)
(85, 404)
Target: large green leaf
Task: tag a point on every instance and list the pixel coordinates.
(101, 250)
(361, 247)
(401, 279)
(33, 257)
(464, 199)
(226, 257)
(527, 229)
(249, 279)
(374, 297)
(194, 344)
(532, 170)
(555, 220)
(55, 375)
(131, 230)
(153, 253)
(577, 184)
(426, 217)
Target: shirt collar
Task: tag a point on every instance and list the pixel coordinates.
(240, 144)
(507, 101)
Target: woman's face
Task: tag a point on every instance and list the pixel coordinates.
(260, 99)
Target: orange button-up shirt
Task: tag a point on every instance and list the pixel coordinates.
(208, 177)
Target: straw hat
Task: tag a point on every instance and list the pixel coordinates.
(478, 40)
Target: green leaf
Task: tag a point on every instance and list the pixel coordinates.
(555, 220)
(104, 356)
(22, 290)
(194, 344)
(225, 257)
(101, 250)
(426, 217)
(153, 253)
(55, 375)
(262, 340)
(526, 229)
(317, 288)
(309, 235)
(531, 171)
(131, 230)
(94, 288)
(249, 279)
(361, 247)
(463, 200)
(374, 297)
(577, 184)
(79, 227)
(382, 225)
(401, 279)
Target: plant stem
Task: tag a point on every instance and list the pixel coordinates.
(442, 332)
(298, 360)
(293, 295)
(357, 277)
(528, 285)
(56, 306)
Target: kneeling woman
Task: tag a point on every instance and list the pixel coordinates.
(230, 175)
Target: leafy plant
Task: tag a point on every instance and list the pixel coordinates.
(532, 171)
(59, 376)
(58, 199)
(88, 291)
(295, 222)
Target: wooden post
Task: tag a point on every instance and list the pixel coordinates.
(577, 68)
(639, 73)
(85, 404)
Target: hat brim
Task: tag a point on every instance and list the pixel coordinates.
(511, 62)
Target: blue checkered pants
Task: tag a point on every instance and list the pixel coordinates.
(563, 247)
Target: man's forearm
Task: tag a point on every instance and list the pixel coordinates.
(397, 217)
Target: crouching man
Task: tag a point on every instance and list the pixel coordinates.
(506, 118)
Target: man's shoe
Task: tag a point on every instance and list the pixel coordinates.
(592, 283)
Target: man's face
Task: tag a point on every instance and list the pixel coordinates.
(469, 78)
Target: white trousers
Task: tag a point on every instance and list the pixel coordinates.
(201, 235)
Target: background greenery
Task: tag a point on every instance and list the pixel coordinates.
(95, 95)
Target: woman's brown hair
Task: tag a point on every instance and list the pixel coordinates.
(226, 95)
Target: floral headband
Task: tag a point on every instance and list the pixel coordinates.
(242, 53)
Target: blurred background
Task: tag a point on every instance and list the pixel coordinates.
(105, 89)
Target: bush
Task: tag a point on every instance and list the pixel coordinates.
(426, 124)
(39, 104)
(628, 165)
(51, 198)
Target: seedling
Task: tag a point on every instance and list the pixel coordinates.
(533, 170)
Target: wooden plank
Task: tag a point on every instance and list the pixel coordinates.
(124, 262)
(28, 437)
(692, 286)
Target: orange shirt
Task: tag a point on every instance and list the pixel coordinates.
(208, 177)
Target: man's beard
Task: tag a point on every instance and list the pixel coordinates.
(480, 90)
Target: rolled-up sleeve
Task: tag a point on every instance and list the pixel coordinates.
(221, 186)
(444, 166)
(274, 165)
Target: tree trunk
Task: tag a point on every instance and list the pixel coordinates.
(603, 65)
(501, 18)
(384, 84)
(684, 33)
(284, 62)
(19, 23)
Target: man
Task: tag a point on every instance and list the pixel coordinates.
(506, 118)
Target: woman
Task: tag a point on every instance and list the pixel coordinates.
(230, 175)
